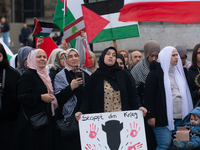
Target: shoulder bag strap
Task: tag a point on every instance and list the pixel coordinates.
(3, 84)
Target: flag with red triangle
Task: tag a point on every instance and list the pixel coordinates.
(90, 22)
(48, 45)
(88, 59)
(94, 23)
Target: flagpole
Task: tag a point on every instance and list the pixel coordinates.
(115, 44)
(64, 18)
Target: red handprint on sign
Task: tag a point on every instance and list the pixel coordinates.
(134, 131)
(93, 133)
(136, 146)
(90, 147)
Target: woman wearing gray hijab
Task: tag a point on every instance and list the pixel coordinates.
(139, 73)
(22, 59)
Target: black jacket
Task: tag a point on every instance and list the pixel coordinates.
(10, 105)
(29, 94)
(93, 100)
(194, 81)
(5, 27)
(154, 97)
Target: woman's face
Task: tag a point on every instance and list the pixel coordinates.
(183, 58)
(110, 57)
(174, 58)
(125, 57)
(73, 59)
(41, 59)
(198, 55)
(1, 57)
(62, 60)
(152, 56)
(120, 62)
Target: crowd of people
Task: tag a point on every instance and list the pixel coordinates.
(164, 85)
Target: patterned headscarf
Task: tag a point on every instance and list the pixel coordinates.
(67, 66)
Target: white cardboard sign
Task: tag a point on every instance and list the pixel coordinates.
(113, 131)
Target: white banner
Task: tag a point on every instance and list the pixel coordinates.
(113, 131)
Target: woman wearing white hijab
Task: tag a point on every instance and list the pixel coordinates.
(169, 100)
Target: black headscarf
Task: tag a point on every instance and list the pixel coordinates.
(123, 60)
(108, 72)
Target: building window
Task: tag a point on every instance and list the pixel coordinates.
(30, 9)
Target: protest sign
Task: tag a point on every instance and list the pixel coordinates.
(113, 131)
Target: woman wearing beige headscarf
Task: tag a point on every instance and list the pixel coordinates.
(139, 73)
(55, 63)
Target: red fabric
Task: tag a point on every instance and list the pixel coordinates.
(88, 59)
(65, 2)
(38, 28)
(178, 12)
(94, 23)
(48, 45)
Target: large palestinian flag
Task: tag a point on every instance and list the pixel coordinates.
(107, 9)
(115, 29)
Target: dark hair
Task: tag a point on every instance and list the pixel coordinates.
(5, 57)
(194, 55)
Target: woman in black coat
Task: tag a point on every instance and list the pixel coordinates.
(194, 74)
(69, 87)
(109, 76)
(167, 96)
(35, 94)
(9, 106)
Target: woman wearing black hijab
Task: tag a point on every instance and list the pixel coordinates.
(113, 89)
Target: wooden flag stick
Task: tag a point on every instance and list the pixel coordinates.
(115, 44)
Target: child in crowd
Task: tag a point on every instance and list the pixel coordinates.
(194, 124)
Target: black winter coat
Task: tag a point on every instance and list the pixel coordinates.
(29, 94)
(194, 81)
(10, 105)
(93, 100)
(154, 97)
(73, 142)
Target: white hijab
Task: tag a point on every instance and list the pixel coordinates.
(165, 57)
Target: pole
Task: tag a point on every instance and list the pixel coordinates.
(115, 44)
(13, 10)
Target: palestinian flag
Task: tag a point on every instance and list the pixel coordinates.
(116, 29)
(43, 29)
(73, 13)
(83, 23)
(8, 51)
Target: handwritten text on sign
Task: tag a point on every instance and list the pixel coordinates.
(113, 131)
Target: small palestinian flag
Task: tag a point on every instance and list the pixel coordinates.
(43, 29)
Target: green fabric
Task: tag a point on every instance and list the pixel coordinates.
(58, 18)
(117, 33)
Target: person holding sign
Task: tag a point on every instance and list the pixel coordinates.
(113, 89)
(167, 96)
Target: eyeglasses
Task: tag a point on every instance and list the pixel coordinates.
(71, 56)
